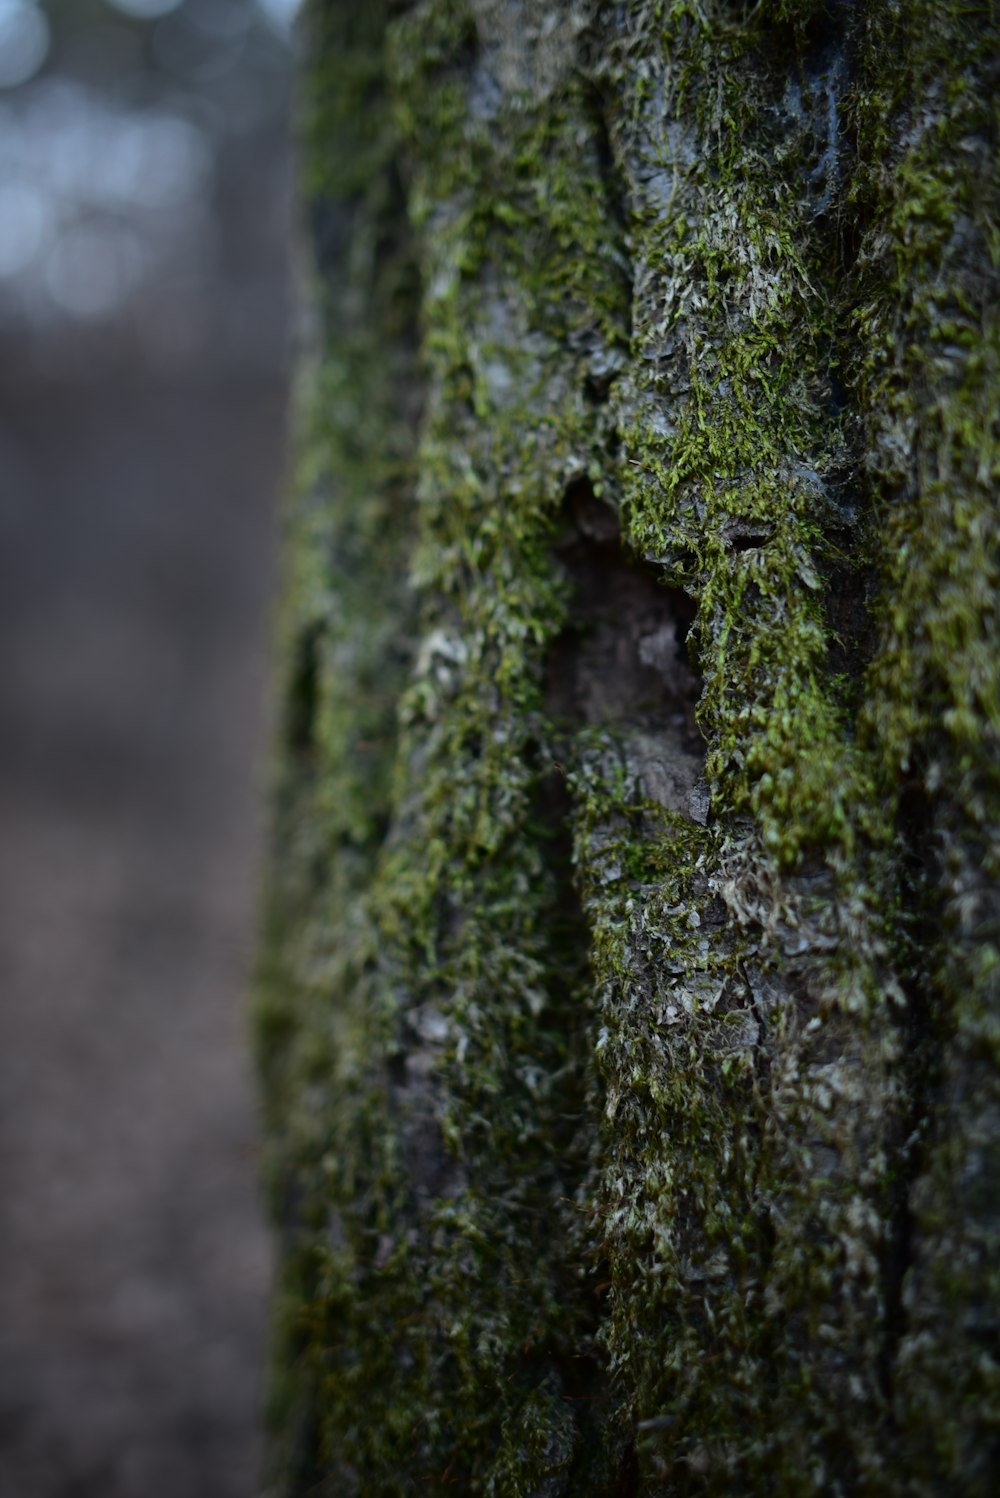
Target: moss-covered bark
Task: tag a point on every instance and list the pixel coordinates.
(629, 1017)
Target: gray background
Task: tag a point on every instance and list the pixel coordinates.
(144, 225)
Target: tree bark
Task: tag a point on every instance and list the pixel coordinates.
(629, 1015)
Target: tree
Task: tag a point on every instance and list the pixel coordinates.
(630, 1011)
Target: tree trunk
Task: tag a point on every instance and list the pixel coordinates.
(629, 1016)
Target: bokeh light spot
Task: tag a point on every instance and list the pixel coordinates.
(156, 162)
(92, 268)
(24, 41)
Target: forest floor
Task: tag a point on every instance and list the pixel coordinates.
(136, 561)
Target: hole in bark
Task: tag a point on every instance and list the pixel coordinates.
(747, 541)
(597, 387)
(621, 661)
(823, 32)
(837, 393)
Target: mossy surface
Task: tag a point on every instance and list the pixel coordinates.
(632, 1082)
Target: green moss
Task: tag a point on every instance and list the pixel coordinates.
(737, 347)
(927, 382)
(596, 1161)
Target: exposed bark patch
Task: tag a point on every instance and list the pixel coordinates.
(621, 662)
(432, 1173)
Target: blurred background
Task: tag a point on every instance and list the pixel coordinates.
(144, 241)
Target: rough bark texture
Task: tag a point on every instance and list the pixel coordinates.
(630, 1014)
